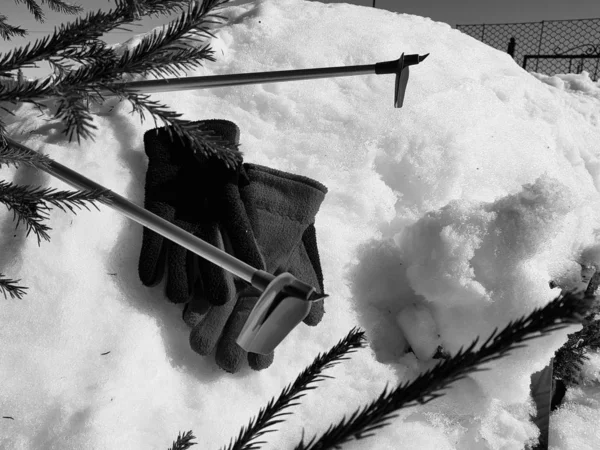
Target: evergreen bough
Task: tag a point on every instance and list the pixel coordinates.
(85, 69)
(570, 358)
(428, 386)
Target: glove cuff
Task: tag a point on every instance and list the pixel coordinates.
(288, 195)
(287, 175)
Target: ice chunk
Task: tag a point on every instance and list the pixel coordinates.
(420, 330)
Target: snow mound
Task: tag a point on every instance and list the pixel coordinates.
(458, 208)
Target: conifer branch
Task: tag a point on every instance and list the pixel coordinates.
(8, 31)
(271, 414)
(27, 208)
(207, 143)
(167, 52)
(425, 388)
(93, 52)
(34, 9)
(68, 200)
(25, 91)
(30, 205)
(154, 55)
(12, 155)
(83, 31)
(10, 287)
(154, 8)
(569, 359)
(63, 7)
(183, 441)
(77, 118)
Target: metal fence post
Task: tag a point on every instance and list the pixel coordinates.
(511, 47)
(540, 45)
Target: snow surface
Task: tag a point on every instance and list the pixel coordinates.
(462, 205)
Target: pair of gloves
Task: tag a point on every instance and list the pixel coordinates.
(262, 216)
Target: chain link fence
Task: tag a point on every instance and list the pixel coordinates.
(548, 47)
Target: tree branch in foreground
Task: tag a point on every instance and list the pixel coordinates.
(269, 415)
(363, 422)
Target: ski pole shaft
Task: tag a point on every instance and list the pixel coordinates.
(154, 222)
(215, 81)
(400, 67)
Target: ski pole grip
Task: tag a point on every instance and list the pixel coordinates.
(399, 64)
(385, 67)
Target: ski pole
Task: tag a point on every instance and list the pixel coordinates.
(258, 278)
(400, 67)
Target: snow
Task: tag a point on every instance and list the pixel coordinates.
(575, 425)
(462, 205)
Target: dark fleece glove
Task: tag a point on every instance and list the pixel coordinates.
(186, 191)
(281, 209)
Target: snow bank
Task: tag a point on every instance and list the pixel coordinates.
(462, 205)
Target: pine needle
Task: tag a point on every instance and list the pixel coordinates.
(270, 415)
(426, 387)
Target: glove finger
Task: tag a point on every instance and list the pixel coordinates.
(206, 333)
(181, 274)
(198, 305)
(161, 176)
(236, 228)
(219, 287)
(195, 310)
(189, 272)
(300, 266)
(153, 254)
(315, 315)
(309, 239)
(229, 354)
(260, 362)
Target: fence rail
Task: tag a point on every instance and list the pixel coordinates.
(548, 47)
